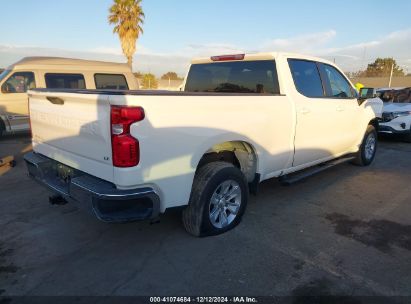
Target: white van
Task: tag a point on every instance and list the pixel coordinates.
(54, 73)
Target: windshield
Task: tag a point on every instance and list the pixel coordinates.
(4, 74)
(396, 96)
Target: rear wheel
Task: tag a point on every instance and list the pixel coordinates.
(368, 148)
(218, 200)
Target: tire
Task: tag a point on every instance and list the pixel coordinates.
(207, 211)
(365, 156)
(2, 128)
(407, 137)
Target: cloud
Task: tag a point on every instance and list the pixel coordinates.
(396, 44)
(304, 43)
(106, 50)
(210, 49)
(145, 60)
(350, 57)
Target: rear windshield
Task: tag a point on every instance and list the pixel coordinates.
(258, 77)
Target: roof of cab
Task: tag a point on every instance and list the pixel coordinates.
(71, 63)
(266, 56)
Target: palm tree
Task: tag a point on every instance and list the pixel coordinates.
(128, 18)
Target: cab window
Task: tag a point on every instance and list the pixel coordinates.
(337, 85)
(19, 82)
(306, 77)
(65, 81)
(110, 82)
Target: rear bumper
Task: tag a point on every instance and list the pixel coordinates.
(100, 197)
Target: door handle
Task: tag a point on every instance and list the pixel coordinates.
(340, 109)
(305, 111)
(56, 100)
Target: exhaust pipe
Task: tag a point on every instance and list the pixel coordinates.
(57, 200)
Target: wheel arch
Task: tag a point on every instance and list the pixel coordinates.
(375, 123)
(240, 153)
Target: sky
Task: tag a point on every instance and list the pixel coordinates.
(353, 33)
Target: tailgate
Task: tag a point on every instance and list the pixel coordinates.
(73, 129)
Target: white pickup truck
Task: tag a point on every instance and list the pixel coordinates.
(240, 120)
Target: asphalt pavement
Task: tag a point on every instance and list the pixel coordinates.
(345, 232)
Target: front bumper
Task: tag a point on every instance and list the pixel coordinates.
(390, 130)
(100, 197)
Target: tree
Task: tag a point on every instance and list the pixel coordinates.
(170, 76)
(138, 74)
(127, 16)
(382, 67)
(149, 81)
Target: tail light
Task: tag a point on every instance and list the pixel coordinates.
(125, 148)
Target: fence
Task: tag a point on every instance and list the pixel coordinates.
(382, 82)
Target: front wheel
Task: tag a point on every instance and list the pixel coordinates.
(218, 200)
(368, 148)
(408, 136)
(2, 128)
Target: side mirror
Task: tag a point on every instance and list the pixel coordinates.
(366, 93)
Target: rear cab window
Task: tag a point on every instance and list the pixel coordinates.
(306, 77)
(65, 81)
(110, 82)
(252, 77)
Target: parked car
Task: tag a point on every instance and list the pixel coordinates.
(240, 120)
(54, 73)
(396, 117)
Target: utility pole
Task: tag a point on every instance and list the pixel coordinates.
(364, 57)
(392, 72)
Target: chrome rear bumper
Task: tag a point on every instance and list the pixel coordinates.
(105, 201)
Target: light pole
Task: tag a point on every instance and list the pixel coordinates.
(392, 72)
